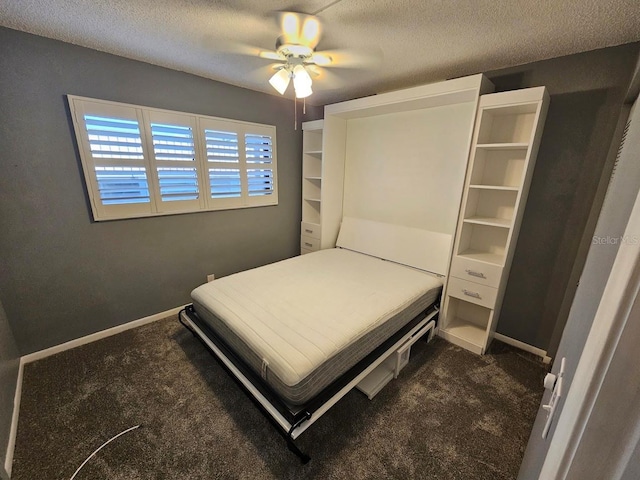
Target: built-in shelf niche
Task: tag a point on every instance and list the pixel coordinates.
(313, 143)
(311, 211)
(490, 206)
(312, 188)
(512, 125)
(468, 321)
(498, 167)
(483, 242)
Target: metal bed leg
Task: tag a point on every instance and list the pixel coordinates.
(304, 458)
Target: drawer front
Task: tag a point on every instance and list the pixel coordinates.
(472, 292)
(309, 243)
(477, 272)
(310, 230)
(304, 251)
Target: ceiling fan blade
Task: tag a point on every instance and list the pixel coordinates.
(321, 59)
(346, 58)
(313, 70)
(325, 79)
(271, 55)
(235, 48)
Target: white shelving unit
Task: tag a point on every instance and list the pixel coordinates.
(502, 158)
(310, 230)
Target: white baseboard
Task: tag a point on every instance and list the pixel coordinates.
(523, 346)
(47, 352)
(11, 446)
(32, 357)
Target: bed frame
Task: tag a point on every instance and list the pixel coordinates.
(291, 421)
(417, 248)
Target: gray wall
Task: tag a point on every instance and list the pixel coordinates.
(64, 276)
(587, 92)
(9, 364)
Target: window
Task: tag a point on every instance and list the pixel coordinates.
(142, 161)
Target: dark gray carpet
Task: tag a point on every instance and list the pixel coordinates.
(450, 415)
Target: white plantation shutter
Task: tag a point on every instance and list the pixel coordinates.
(111, 142)
(240, 163)
(142, 161)
(176, 164)
(223, 163)
(260, 167)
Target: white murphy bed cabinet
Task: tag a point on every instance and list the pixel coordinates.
(501, 161)
(450, 157)
(389, 158)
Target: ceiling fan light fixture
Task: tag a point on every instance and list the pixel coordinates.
(303, 91)
(302, 82)
(280, 80)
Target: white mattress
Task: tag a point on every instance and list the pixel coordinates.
(298, 313)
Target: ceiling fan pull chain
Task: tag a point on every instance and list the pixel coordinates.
(295, 112)
(304, 106)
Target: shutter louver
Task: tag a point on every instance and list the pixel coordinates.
(259, 154)
(174, 149)
(116, 150)
(223, 164)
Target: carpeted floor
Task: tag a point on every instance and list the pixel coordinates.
(450, 415)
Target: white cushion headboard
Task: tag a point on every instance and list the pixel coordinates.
(415, 247)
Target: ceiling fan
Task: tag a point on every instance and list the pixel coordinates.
(297, 56)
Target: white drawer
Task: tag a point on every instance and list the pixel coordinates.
(310, 230)
(477, 272)
(472, 292)
(309, 243)
(304, 251)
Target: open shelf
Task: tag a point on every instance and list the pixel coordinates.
(495, 187)
(314, 178)
(486, 243)
(507, 125)
(494, 222)
(467, 323)
(486, 257)
(312, 142)
(314, 153)
(309, 199)
(311, 212)
(503, 146)
(497, 204)
(467, 331)
(498, 168)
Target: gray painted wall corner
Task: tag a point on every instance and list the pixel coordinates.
(9, 367)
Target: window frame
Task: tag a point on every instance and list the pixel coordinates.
(80, 106)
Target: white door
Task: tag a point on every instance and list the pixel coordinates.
(590, 339)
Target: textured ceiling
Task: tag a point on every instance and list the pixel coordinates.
(421, 41)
